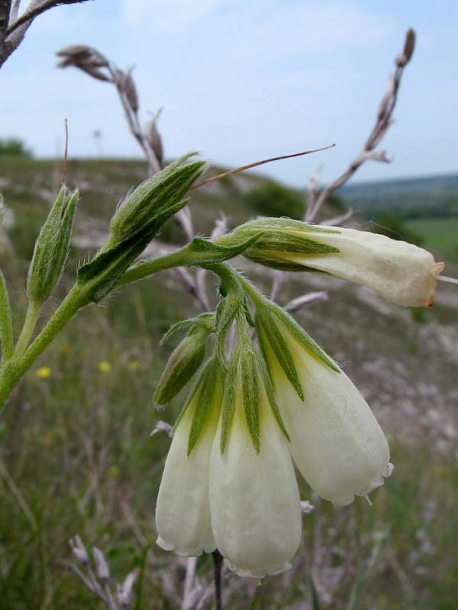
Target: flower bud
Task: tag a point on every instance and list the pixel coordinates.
(136, 223)
(153, 202)
(183, 363)
(51, 248)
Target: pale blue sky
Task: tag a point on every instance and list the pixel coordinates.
(243, 80)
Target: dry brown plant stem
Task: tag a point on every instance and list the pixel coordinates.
(382, 124)
(13, 27)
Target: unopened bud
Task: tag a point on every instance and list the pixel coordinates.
(154, 201)
(184, 362)
(136, 223)
(51, 247)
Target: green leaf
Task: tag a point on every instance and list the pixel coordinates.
(104, 271)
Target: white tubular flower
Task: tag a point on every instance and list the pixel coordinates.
(254, 499)
(183, 509)
(336, 442)
(401, 272)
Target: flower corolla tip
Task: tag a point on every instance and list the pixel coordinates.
(182, 552)
(258, 574)
(364, 493)
(435, 270)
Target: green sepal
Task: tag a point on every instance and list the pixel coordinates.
(204, 252)
(184, 361)
(251, 397)
(280, 224)
(206, 319)
(242, 388)
(267, 382)
(268, 322)
(209, 399)
(280, 236)
(51, 248)
(277, 241)
(276, 264)
(271, 337)
(108, 265)
(232, 302)
(231, 390)
(204, 399)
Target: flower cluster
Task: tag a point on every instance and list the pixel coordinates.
(275, 403)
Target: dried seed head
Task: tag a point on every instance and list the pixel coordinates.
(103, 571)
(407, 52)
(130, 91)
(153, 137)
(85, 58)
(79, 550)
(124, 592)
(409, 45)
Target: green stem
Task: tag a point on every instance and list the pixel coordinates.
(31, 319)
(150, 267)
(253, 293)
(6, 328)
(12, 371)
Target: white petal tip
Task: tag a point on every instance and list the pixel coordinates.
(192, 552)
(258, 574)
(343, 501)
(164, 545)
(388, 471)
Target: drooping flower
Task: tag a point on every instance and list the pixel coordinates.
(235, 488)
(183, 507)
(336, 441)
(254, 499)
(401, 272)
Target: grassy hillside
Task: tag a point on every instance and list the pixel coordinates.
(76, 456)
(410, 197)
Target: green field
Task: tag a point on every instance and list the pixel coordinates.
(439, 235)
(76, 456)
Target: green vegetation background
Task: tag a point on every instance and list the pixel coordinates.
(76, 456)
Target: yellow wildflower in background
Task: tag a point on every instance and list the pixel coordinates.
(104, 367)
(44, 372)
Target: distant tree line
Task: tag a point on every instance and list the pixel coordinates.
(14, 147)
